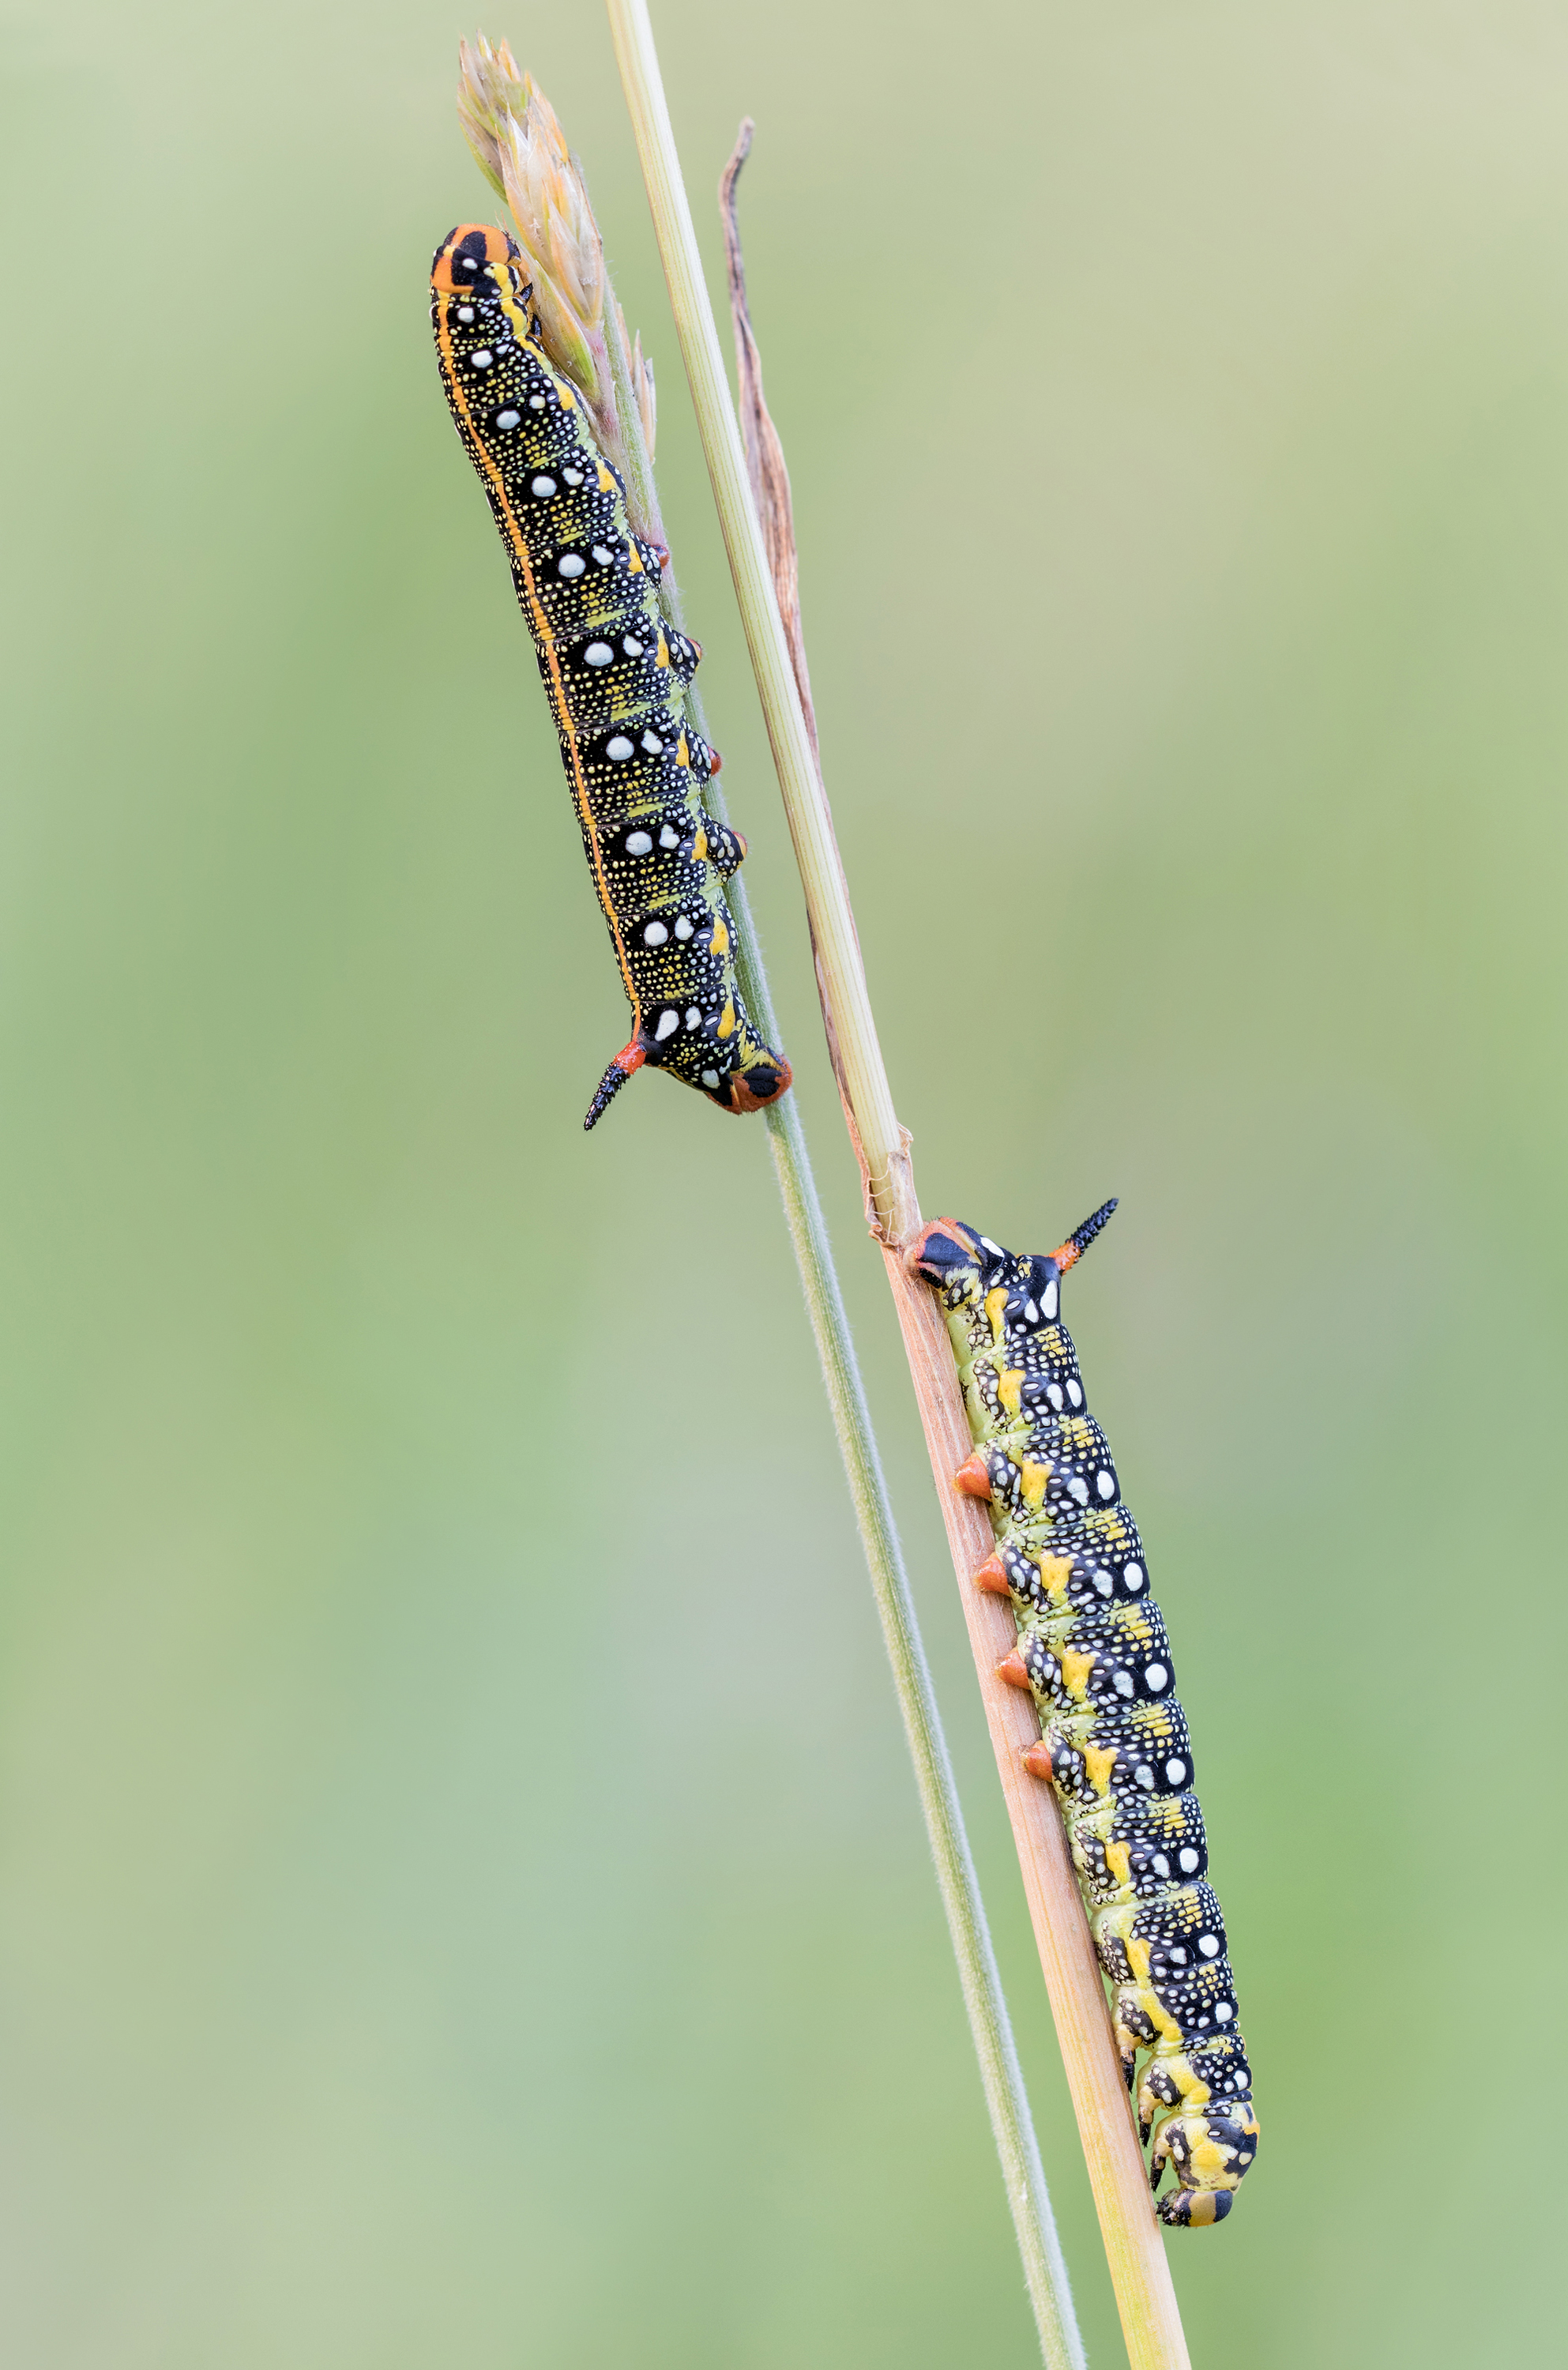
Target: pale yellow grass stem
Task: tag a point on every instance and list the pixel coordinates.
(1150, 2321)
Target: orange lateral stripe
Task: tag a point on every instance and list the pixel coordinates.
(547, 640)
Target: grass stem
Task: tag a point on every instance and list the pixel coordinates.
(1045, 2272)
(1146, 2298)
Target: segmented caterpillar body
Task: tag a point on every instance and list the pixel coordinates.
(616, 676)
(1092, 1650)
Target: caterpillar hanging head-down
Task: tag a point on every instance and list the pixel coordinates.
(1092, 1651)
(616, 676)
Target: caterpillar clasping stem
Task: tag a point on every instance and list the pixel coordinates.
(1094, 1654)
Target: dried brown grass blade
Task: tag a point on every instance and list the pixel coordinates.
(765, 454)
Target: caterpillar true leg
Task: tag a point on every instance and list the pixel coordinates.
(1093, 1651)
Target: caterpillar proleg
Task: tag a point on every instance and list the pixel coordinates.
(1093, 1651)
(615, 677)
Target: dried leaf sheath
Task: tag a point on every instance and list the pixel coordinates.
(765, 454)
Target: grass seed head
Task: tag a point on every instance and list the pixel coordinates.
(520, 148)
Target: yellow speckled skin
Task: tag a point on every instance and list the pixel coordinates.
(1093, 1644)
(615, 677)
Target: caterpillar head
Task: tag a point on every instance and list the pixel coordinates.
(475, 254)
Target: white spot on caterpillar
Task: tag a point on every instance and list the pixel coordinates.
(481, 359)
(598, 654)
(1105, 1483)
(1176, 1771)
(1077, 1487)
(693, 1016)
(668, 1022)
(1132, 1577)
(465, 314)
(710, 1077)
(544, 488)
(1224, 2011)
(1122, 1683)
(1053, 1393)
(507, 419)
(618, 750)
(631, 645)
(652, 744)
(995, 1248)
(654, 936)
(572, 476)
(1156, 1677)
(1031, 1314)
(1075, 1392)
(684, 926)
(1050, 1300)
(602, 555)
(1187, 1860)
(1143, 1776)
(669, 836)
(1160, 1865)
(1103, 1583)
(638, 844)
(570, 563)
(536, 403)
(1209, 1945)
(1178, 1956)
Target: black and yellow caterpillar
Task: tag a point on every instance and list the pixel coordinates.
(1093, 1650)
(616, 678)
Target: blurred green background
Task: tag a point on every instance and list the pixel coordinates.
(464, 1900)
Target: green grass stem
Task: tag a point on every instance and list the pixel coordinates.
(1045, 2272)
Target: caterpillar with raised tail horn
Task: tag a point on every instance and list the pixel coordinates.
(616, 676)
(1092, 1650)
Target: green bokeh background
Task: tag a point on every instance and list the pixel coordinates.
(464, 1900)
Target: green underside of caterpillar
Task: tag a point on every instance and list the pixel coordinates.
(1093, 1650)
